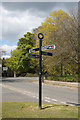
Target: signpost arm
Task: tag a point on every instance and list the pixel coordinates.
(40, 73)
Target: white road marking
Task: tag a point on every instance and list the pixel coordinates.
(33, 96)
(20, 91)
(51, 99)
(47, 98)
(28, 92)
(47, 101)
(55, 100)
(63, 102)
(37, 97)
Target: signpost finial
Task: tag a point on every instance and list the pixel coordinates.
(40, 36)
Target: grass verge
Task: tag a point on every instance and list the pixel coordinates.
(67, 78)
(31, 110)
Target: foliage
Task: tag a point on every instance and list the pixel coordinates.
(19, 62)
(61, 29)
(3, 62)
(66, 78)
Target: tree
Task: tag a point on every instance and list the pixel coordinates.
(19, 62)
(61, 29)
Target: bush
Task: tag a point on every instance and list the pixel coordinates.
(31, 75)
(64, 78)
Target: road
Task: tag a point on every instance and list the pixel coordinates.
(27, 89)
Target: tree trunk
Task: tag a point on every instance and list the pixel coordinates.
(61, 69)
(14, 74)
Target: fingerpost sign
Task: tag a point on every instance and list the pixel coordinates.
(40, 36)
(30, 55)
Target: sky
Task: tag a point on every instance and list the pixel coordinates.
(18, 18)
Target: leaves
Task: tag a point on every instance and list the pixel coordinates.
(19, 61)
(60, 29)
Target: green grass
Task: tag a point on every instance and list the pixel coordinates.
(0, 110)
(31, 110)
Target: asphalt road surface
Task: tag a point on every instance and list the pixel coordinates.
(27, 90)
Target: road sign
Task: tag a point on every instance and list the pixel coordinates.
(47, 53)
(33, 50)
(32, 56)
(5, 68)
(48, 47)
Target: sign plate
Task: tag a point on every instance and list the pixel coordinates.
(48, 47)
(5, 68)
(33, 50)
(32, 56)
(47, 53)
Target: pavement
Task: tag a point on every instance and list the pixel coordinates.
(59, 83)
(25, 89)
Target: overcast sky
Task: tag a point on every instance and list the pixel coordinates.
(20, 17)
